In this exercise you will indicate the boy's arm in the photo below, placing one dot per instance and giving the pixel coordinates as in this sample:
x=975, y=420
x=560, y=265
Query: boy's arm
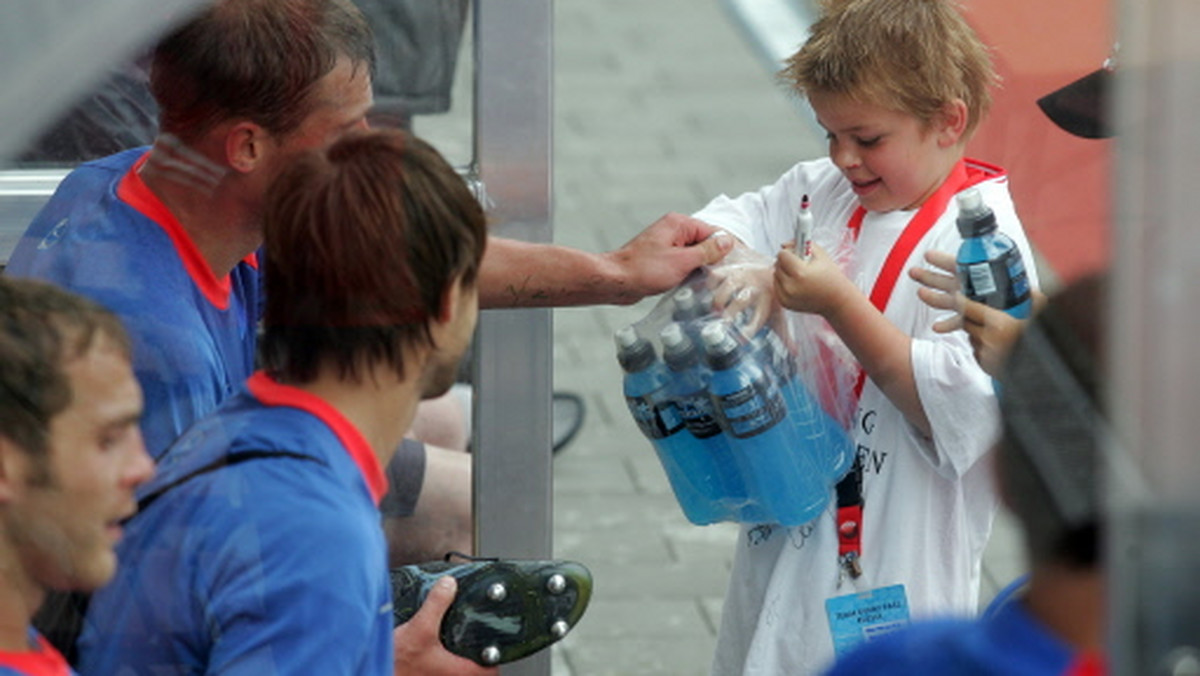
x=525, y=274
x=883, y=350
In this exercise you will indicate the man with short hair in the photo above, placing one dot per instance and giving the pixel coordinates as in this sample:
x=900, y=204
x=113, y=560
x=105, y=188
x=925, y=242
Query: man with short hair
x=71, y=455
x=259, y=549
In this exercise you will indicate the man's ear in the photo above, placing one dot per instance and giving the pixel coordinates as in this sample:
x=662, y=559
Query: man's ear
x=951, y=123
x=245, y=146
x=451, y=303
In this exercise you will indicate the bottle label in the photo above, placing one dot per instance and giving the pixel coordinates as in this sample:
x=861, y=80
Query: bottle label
x=699, y=416
x=752, y=410
x=1001, y=282
x=656, y=419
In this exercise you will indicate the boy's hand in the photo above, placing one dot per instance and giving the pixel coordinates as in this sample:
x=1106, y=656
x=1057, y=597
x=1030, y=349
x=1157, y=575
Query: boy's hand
x=815, y=285
x=419, y=650
x=739, y=289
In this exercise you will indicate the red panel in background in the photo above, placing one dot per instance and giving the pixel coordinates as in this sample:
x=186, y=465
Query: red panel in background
x=1060, y=182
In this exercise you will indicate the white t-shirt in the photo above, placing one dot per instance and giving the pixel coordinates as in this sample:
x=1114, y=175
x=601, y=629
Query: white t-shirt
x=928, y=502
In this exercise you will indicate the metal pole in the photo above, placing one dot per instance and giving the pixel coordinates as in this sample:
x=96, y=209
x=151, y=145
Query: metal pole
x=1154, y=548
x=513, y=350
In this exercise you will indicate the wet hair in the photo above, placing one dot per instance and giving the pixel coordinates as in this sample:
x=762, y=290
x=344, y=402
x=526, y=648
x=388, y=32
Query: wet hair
x=254, y=59
x=363, y=241
x=911, y=56
x=1051, y=401
x=43, y=328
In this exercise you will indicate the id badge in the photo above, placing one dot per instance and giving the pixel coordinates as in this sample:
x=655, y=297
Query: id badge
x=860, y=617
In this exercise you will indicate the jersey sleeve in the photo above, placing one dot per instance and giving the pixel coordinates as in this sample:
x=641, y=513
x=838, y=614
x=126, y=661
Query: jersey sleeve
x=289, y=589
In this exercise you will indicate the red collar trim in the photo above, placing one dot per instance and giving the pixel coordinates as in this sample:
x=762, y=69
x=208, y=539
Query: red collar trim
x=133, y=191
x=1088, y=664
x=271, y=393
x=43, y=660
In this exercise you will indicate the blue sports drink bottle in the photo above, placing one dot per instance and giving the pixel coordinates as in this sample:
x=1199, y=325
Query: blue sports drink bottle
x=689, y=388
x=990, y=267
x=816, y=432
x=685, y=459
x=790, y=484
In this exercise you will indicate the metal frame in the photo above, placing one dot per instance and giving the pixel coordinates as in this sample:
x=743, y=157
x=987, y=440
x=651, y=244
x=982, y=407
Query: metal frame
x=513, y=348
x=1154, y=548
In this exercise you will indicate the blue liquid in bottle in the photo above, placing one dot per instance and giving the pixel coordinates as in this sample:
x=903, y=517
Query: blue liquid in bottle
x=990, y=267
x=816, y=432
x=687, y=463
x=689, y=389
x=790, y=485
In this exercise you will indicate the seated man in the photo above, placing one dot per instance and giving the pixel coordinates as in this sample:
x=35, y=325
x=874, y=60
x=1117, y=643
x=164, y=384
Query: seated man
x=258, y=549
x=1048, y=467
x=71, y=455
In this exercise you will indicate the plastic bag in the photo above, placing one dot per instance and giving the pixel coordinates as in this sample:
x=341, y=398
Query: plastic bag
x=747, y=405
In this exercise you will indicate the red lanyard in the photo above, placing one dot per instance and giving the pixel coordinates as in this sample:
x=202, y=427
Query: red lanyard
x=849, y=489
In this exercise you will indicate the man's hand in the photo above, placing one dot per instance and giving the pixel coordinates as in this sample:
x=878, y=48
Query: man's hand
x=992, y=332
x=660, y=256
x=419, y=651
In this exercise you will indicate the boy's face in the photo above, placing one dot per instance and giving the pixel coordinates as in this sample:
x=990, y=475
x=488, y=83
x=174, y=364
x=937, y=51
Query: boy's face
x=893, y=160
x=63, y=508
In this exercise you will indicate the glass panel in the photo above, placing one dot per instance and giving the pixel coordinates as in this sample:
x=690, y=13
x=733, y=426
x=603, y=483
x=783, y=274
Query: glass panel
x=424, y=71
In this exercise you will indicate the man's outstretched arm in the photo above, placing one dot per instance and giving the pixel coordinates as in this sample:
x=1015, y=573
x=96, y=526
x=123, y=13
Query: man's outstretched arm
x=524, y=274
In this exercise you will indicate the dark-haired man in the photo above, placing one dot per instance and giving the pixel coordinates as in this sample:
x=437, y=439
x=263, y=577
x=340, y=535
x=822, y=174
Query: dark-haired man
x=71, y=455
x=258, y=548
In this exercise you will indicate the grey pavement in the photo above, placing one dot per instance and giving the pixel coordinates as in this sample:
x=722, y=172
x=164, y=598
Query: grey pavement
x=659, y=105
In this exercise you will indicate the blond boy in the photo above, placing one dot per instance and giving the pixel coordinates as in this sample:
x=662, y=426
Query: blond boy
x=899, y=86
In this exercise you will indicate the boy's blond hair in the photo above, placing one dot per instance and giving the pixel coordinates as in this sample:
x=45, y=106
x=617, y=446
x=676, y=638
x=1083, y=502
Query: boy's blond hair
x=912, y=56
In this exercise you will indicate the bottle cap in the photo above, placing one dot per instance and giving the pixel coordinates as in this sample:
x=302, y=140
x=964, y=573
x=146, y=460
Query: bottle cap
x=687, y=305
x=672, y=336
x=717, y=339
x=626, y=337
x=974, y=217
x=678, y=350
x=634, y=352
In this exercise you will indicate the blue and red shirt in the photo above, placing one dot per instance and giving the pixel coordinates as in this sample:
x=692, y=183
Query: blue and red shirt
x=40, y=660
x=1008, y=643
x=106, y=236
x=259, y=551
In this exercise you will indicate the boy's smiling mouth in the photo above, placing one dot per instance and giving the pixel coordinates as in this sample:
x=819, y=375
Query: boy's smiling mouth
x=861, y=187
